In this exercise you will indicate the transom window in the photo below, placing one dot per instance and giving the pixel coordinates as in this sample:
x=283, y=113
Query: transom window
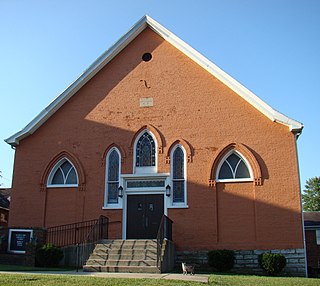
x=145, y=184
x=234, y=167
x=63, y=174
x=178, y=176
x=113, y=175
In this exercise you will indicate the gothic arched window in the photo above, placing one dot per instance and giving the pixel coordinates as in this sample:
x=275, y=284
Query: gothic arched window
x=233, y=167
x=178, y=175
x=63, y=174
x=113, y=176
x=145, y=151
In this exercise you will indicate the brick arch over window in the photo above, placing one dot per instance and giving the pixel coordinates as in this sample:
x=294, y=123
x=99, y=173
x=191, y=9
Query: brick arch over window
x=242, y=149
x=186, y=145
x=155, y=132
x=76, y=163
x=113, y=145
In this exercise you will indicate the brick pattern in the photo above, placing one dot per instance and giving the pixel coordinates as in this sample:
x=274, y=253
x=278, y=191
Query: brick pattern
x=313, y=250
x=246, y=261
x=189, y=104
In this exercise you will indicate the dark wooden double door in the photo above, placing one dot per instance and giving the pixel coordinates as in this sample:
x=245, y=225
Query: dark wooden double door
x=144, y=214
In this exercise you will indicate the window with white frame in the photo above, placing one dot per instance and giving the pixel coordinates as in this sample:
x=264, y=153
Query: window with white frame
x=145, y=153
x=318, y=236
x=113, y=177
x=63, y=174
x=178, y=174
x=234, y=167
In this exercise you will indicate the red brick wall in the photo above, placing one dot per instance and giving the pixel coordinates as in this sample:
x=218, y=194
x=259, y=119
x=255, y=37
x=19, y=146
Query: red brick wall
x=313, y=250
x=189, y=103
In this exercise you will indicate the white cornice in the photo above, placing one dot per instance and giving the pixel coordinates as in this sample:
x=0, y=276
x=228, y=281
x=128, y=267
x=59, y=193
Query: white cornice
x=107, y=56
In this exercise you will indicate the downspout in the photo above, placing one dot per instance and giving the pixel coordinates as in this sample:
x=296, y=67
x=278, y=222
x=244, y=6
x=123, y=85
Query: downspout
x=296, y=135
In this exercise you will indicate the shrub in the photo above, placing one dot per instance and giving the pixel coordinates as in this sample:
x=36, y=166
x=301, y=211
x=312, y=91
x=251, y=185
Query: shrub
x=222, y=260
x=272, y=263
x=48, y=255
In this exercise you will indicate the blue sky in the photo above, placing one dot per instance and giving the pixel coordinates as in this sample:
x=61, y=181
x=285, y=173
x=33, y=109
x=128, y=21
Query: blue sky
x=271, y=47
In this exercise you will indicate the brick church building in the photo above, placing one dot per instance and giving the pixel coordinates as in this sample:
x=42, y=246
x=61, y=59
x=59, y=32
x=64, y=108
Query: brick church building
x=154, y=128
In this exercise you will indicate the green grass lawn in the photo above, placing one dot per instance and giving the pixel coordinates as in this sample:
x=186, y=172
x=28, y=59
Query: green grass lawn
x=4, y=267
x=220, y=280
x=248, y=280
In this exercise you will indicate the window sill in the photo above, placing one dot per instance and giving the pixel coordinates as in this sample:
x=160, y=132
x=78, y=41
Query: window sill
x=235, y=180
x=116, y=207
x=62, y=186
x=178, y=207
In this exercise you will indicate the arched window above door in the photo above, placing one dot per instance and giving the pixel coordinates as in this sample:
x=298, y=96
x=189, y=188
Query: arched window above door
x=145, y=153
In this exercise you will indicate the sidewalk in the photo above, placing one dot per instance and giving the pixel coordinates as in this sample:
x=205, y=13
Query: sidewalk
x=167, y=276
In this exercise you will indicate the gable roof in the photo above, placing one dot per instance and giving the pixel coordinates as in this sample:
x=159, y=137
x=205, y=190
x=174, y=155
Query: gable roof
x=107, y=56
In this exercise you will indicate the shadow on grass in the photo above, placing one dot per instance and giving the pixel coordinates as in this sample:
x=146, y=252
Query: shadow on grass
x=4, y=267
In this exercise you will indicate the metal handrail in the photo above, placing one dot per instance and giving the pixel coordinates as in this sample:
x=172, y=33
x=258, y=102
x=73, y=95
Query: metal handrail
x=98, y=232
x=70, y=234
x=164, y=232
x=84, y=235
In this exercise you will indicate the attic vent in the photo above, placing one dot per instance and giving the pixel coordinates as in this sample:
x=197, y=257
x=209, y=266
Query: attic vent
x=146, y=57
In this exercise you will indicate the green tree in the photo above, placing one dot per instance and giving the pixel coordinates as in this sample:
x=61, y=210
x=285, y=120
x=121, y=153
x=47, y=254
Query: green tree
x=311, y=195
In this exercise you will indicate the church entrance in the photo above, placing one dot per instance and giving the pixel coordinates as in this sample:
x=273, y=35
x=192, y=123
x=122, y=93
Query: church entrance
x=144, y=213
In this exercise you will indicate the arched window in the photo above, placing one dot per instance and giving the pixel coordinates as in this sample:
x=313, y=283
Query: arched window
x=234, y=167
x=145, y=153
x=113, y=176
x=63, y=174
x=178, y=175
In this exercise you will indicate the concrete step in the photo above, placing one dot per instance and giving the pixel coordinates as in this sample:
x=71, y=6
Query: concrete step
x=105, y=247
x=124, y=256
x=123, y=269
x=102, y=262
x=100, y=251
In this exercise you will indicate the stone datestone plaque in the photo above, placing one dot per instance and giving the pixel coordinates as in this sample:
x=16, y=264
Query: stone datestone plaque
x=146, y=102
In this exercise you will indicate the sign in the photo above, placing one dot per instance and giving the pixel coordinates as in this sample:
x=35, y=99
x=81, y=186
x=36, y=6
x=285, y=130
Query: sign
x=18, y=239
x=146, y=102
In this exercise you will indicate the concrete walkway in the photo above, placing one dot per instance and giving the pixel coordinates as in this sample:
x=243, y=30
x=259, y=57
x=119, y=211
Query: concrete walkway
x=166, y=276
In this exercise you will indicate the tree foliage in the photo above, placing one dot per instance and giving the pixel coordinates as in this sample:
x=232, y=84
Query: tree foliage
x=311, y=195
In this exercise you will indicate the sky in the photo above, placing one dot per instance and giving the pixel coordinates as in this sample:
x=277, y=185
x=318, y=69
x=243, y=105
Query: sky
x=272, y=47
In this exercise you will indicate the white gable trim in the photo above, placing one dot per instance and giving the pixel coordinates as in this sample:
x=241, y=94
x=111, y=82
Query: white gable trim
x=107, y=56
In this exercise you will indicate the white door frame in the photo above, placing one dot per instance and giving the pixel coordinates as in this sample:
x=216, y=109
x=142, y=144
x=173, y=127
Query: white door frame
x=143, y=191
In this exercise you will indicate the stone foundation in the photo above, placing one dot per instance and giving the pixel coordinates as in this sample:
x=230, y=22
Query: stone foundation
x=246, y=261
